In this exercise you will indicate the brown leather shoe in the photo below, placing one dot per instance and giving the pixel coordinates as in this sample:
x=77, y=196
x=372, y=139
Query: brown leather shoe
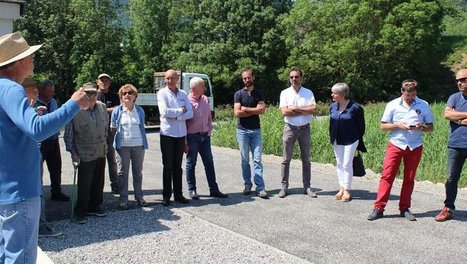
x=444, y=215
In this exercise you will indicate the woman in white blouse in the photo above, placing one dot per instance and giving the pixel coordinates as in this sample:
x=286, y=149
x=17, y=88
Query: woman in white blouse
x=130, y=142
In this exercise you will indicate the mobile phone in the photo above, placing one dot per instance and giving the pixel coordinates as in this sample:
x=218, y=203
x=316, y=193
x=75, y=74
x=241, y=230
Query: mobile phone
x=412, y=126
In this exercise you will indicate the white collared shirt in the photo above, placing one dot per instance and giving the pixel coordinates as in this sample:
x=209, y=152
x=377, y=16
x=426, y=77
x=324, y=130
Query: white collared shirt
x=131, y=133
x=304, y=97
x=171, y=114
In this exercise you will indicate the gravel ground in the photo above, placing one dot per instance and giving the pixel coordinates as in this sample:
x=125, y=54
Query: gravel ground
x=155, y=235
x=247, y=229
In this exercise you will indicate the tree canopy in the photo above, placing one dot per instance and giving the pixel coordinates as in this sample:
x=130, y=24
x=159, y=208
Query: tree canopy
x=370, y=44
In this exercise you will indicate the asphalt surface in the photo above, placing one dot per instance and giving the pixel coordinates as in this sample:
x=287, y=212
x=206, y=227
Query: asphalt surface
x=248, y=229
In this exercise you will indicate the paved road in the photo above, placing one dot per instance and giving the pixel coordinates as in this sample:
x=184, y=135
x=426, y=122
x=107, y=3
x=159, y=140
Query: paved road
x=247, y=229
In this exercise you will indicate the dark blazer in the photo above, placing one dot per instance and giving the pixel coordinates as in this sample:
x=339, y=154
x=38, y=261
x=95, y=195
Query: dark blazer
x=347, y=127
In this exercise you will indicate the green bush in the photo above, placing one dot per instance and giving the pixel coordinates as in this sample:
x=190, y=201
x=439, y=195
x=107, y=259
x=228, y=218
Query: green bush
x=433, y=166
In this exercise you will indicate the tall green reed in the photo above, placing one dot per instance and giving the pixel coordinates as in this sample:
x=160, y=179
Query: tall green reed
x=433, y=166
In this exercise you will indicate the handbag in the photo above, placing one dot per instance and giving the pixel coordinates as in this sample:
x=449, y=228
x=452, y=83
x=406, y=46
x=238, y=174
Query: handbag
x=358, y=167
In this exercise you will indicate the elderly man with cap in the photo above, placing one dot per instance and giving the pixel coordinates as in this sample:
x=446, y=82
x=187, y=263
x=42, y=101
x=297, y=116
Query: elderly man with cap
x=86, y=139
x=406, y=118
x=111, y=100
x=20, y=130
x=456, y=113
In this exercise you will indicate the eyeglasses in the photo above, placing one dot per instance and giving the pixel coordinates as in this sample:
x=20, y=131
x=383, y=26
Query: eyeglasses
x=294, y=77
x=462, y=80
x=91, y=94
x=127, y=93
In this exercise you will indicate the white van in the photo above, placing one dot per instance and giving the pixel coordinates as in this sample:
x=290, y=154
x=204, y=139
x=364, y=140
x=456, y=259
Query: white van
x=148, y=101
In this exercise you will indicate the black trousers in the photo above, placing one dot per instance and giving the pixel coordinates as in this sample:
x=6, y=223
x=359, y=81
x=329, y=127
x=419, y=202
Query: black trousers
x=50, y=150
x=90, y=186
x=172, y=155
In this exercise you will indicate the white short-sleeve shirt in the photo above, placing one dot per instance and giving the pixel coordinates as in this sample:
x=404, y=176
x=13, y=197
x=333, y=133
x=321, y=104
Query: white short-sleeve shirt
x=304, y=97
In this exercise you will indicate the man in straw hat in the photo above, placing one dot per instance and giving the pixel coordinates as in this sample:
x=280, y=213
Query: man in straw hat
x=20, y=130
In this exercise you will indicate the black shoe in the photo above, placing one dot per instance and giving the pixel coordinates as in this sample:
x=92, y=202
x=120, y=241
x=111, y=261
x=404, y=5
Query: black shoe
x=141, y=203
x=80, y=219
x=59, y=197
x=97, y=212
x=408, y=215
x=182, y=199
x=122, y=206
x=165, y=202
x=218, y=194
x=375, y=214
x=193, y=194
x=47, y=231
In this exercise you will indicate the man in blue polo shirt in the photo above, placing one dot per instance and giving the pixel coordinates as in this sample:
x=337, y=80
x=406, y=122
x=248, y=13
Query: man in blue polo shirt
x=406, y=118
x=248, y=105
x=456, y=113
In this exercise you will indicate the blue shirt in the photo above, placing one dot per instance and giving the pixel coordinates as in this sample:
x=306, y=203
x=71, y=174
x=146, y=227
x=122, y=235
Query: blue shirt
x=20, y=130
x=115, y=123
x=418, y=112
x=347, y=127
x=171, y=113
x=458, y=136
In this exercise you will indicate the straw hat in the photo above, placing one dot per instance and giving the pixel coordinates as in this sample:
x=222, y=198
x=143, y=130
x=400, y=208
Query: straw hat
x=13, y=47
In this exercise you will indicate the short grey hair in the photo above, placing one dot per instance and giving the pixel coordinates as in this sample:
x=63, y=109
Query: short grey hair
x=195, y=81
x=341, y=88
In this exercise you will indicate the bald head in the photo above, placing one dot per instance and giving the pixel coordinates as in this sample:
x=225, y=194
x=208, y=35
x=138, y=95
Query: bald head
x=171, y=79
x=461, y=74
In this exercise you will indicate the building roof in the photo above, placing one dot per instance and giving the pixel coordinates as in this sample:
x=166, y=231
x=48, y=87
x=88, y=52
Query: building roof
x=13, y=1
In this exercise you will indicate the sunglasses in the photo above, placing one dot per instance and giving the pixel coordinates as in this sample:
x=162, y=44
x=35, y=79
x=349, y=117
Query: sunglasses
x=462, y=80
x=410, y=89
x=127, y=93
x=409, y=84
x=294, y=77
x=91, y=94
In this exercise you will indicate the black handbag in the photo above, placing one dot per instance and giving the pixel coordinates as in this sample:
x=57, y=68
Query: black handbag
x=358, y=167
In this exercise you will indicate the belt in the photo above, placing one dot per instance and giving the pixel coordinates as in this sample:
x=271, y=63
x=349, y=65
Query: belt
x=199, y=133
x=298, y=127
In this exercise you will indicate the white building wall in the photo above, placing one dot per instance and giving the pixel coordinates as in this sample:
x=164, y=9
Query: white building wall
x=8, y=12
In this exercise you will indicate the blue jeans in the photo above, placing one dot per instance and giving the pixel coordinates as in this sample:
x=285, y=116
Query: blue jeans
x=456, y=160
x=19, y=223
x=201, y=144
x=251, y=140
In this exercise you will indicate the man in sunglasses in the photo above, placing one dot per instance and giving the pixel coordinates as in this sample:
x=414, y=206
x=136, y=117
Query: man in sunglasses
x=456, y=113
x=297, y=104
x=86, y=139
x=406, y=118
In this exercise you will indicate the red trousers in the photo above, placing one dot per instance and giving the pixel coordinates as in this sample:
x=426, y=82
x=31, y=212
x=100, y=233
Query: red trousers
x=392, y=161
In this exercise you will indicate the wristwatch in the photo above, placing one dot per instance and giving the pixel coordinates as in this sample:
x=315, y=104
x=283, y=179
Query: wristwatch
x=459, y=122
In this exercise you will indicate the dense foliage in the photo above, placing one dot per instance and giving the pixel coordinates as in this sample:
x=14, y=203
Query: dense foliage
x=371, y=44
x=433, y=166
